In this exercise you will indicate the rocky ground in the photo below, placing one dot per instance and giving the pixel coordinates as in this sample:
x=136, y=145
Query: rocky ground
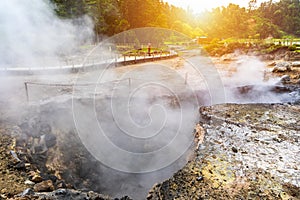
x=25, y=169
x=246, y=151
x=243, y=151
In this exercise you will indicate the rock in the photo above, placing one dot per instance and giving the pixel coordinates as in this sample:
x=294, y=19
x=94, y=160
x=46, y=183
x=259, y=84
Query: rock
x=3, y=190
x=49, y=139
x=282, y=67
x=270, y=64
x=45, y=186
x=295, y=64
x=20, y=166
x=45, y=142
x=26, y=192
x=27, y=165
x=61, y=184
x=60, y=192
x=15, y=156
x=39, y=148
x=29, y=182
x=285, y=79
x=96, y=196
x=234, y=149
x=37, y=178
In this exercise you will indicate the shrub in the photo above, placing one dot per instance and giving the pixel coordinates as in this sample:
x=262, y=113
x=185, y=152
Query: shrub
x=292, y=48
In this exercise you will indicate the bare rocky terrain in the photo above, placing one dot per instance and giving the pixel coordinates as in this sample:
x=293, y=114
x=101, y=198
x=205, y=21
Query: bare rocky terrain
x=249, y=151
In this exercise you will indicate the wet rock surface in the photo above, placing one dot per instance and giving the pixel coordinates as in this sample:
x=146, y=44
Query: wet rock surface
x=249, y=151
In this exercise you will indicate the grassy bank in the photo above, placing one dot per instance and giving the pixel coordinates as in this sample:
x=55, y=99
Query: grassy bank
x=219, y=48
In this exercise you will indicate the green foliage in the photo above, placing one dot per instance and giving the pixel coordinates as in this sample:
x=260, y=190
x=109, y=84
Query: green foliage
x=292, y=48
x=213, y=48
x=284, y=14
x=269, y=19
x=270, y=48
x=69, y=9
x=219, y=48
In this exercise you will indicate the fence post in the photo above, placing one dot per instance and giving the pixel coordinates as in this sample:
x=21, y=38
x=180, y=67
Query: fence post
x=186, y=77
x=26, y=90
x=129, y=83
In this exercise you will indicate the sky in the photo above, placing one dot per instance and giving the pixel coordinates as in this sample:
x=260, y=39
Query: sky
x=201, y=5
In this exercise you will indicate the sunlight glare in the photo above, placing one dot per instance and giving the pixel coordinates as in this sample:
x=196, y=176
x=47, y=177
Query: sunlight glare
x=198, y=6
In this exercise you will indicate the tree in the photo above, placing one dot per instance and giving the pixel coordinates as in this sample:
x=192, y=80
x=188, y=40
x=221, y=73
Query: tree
x=69, y=9
x=114, y=16
x=285, y=14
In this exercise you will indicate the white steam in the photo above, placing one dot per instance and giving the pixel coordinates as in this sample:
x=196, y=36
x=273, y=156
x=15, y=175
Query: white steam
x=249, y=83
x=32, y=35
x=249, y=70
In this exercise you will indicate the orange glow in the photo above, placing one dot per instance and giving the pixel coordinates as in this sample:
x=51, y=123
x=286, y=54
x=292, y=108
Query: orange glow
x=198, y=6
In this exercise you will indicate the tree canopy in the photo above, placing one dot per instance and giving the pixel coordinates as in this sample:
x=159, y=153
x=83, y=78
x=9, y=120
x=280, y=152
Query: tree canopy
x=269, y=19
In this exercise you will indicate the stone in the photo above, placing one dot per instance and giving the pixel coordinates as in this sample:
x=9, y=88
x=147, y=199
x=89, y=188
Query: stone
x=50, y=139
x=282, y=67
x=27, y=165
x=20, y=166
x=27, y=191
x=271, y=64
x=60, y=192
x=295, y=64
x=37, y=178
x=61, y=184
x=29, y=182
x=45, y=186
x=3, y=190
x=285, y=78
x=15, y=156
x=234, y=149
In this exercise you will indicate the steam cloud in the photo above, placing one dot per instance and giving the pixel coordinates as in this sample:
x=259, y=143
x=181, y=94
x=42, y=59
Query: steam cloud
x=32, y=35
x=248, y=83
